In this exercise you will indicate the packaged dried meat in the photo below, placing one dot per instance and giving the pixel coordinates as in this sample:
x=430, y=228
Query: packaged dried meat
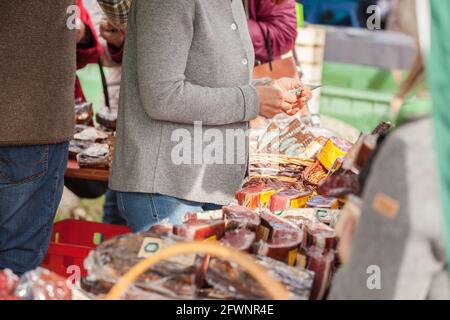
x=8, y=283
x=254, y=197
x=77, y=146
x=339, y=185
x=114, y=257
x=277, y=238
x=288, y=199
x=95, y=156
x=42, y=284
x=323, y=202
x=233, y=283
x=91, y=134
x=240, y=239
x=299, y=217
x=201, y=230
x=334, y=149
x=323, y=267
x=237, y=217
x=107, y=118
x=321, y=237
x=84, y=113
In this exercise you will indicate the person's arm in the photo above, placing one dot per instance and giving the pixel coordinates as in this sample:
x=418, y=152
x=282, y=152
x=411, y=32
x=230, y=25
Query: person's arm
x=164, y=43
x=89, y=48
x=279, y=22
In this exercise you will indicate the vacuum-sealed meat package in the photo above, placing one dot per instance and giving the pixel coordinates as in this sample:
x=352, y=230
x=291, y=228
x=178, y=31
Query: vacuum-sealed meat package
x=234, y=283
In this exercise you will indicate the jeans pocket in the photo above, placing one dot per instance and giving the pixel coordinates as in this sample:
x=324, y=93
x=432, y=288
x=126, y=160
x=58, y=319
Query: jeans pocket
x=23, y=164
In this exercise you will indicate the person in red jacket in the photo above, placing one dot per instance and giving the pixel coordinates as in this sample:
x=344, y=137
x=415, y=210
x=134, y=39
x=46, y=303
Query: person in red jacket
x=276, y=20
x=89, y=48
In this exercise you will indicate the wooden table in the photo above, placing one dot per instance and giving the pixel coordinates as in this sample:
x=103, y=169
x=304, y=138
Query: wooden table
x=74, y=171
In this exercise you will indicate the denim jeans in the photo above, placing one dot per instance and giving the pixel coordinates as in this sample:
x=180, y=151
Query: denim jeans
x=111, y=212
x=143, y=210
x=31, y=186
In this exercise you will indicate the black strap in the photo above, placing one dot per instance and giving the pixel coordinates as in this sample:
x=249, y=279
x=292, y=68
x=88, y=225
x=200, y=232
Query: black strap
x=104, y=84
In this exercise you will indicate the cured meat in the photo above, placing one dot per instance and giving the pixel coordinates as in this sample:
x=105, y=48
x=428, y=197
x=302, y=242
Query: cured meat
x=8, y=283
x=288, y=199
x=321, y=237
x=96, y=156
x=323, y=202
x=339, y=185
x=42, y=284
x=173, y=277
x=254, y=197
x=201, y=229
x=84, y=113
x=107, y=118
x=77, y=146
x=240, y=217
x=241, y=239
x=323, y=267
x=278, y=238
x=91, y=134
x=230, y=280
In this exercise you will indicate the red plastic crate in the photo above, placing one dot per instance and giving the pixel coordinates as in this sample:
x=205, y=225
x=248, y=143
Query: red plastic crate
x=72, y=240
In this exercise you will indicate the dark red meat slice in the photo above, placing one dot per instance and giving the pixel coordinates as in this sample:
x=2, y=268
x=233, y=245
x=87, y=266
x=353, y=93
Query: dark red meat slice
x=201, y=229
x=240, y=217
x=240, y=239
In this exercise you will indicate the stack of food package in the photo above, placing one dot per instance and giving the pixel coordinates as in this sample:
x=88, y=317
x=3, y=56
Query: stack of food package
x=89, y=145
x=285, y=218
x=39, y=284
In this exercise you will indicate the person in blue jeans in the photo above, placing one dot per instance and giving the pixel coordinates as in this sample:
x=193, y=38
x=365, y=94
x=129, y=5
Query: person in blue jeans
x=31, y=187
x=36, y=123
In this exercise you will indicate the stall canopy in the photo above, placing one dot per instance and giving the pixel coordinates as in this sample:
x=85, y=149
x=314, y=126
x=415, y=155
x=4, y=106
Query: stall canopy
x=438, y=72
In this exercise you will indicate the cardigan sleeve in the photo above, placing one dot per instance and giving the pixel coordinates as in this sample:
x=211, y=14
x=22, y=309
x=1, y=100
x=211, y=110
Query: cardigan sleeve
x=165, y=92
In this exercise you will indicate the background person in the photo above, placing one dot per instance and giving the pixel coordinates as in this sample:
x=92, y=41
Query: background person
x=193, y=74
x=36, y=123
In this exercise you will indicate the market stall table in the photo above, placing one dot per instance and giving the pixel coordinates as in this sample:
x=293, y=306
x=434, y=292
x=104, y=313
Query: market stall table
x=74, y=171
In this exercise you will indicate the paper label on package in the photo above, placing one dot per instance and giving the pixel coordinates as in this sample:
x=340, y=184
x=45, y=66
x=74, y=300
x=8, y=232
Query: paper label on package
x=150, y=246
x=265, y=196
x=210, y=215
x=292, y=257
x=386, y=206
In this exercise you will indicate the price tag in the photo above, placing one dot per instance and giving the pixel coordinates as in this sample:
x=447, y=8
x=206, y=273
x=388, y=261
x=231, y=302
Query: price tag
x=150, y=246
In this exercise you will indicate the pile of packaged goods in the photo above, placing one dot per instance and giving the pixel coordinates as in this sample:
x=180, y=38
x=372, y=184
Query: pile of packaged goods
x=285, y=217
x=39, y=284
x=272, y=240
x=90, y=144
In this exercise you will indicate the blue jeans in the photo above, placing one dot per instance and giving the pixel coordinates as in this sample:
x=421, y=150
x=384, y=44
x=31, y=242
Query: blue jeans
x=111, y=212
x=143, y=210
x=31, y=186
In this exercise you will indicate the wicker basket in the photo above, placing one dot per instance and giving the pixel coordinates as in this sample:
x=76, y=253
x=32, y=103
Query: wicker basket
x=274, y=288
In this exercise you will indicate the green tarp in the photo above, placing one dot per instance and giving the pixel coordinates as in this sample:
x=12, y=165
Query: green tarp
x=439, y=82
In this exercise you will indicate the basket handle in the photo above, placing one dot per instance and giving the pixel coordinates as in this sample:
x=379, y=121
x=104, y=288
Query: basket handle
x=273, y=287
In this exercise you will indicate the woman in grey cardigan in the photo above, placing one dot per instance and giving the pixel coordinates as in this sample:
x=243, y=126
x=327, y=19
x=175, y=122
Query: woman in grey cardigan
x=186, y=99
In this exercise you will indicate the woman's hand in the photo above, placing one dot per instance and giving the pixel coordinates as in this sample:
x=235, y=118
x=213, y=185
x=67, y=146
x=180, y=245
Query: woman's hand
x=292, y=85
x=273, y=100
